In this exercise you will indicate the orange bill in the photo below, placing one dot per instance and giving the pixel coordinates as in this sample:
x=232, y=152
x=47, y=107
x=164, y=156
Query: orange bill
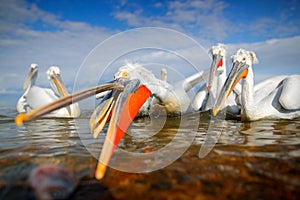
x=216, y=63
x=126, y=108
x=239, y=70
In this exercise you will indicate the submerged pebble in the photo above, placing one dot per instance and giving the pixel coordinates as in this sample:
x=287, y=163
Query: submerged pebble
x=52, y=182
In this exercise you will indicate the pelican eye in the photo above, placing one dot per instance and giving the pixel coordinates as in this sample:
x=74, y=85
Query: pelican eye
x=125, y=75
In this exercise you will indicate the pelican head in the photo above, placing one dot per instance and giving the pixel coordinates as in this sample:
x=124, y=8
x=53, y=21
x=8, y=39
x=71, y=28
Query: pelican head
x=218, y=65
x=31, y=77
x=52, y=71
x=131, y=71
x=53, y=75
x=135, y=71
x=241, y=60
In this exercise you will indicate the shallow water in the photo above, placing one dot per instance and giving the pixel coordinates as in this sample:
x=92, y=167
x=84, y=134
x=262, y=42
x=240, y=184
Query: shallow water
x=256, y=160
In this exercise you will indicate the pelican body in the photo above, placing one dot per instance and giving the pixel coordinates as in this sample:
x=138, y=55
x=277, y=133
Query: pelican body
x=35, y=96
x=275, y=98
x=173, y=98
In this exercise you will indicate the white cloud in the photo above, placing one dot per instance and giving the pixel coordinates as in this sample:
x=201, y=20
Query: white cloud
x=150, y=46
x=203, y=18
x=214, y=20
x=67, y=43
x=21, y=44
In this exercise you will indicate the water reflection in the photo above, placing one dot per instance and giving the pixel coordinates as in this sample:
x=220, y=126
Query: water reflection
x=262, y=133
x=247, y=158
x=45, y=141
x=46, y=137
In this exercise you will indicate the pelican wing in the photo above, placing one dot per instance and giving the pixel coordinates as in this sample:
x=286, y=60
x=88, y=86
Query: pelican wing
x=290, y=94
x=269, y=84
x=264, y=89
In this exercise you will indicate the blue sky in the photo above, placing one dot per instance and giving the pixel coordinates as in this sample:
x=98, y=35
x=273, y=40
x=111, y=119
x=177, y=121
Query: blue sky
x=252, y=21
x=62, y=32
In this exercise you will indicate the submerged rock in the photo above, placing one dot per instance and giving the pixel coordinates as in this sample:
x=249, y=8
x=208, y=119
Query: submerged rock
x=52, y=182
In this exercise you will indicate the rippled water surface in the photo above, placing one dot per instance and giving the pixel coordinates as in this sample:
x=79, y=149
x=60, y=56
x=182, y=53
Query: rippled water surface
x=256, y=160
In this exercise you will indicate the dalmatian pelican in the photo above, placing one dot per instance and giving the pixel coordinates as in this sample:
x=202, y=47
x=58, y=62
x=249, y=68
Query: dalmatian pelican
x=172, y=98
x=205, y=97
x=275, y=98
x=35, y=96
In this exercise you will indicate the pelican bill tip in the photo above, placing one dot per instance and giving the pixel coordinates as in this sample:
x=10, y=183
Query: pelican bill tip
x=100, y=171
x=215, y=111
x=20, y=119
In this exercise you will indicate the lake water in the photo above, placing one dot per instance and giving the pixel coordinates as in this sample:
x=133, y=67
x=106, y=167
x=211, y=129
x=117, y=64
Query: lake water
x=253, y=160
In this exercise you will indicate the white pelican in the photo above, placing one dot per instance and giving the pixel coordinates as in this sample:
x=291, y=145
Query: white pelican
x=173, y=98
x=275, y=98
x=35, y=96
x=132, y=87
x=161, y=90
x=205, y=97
